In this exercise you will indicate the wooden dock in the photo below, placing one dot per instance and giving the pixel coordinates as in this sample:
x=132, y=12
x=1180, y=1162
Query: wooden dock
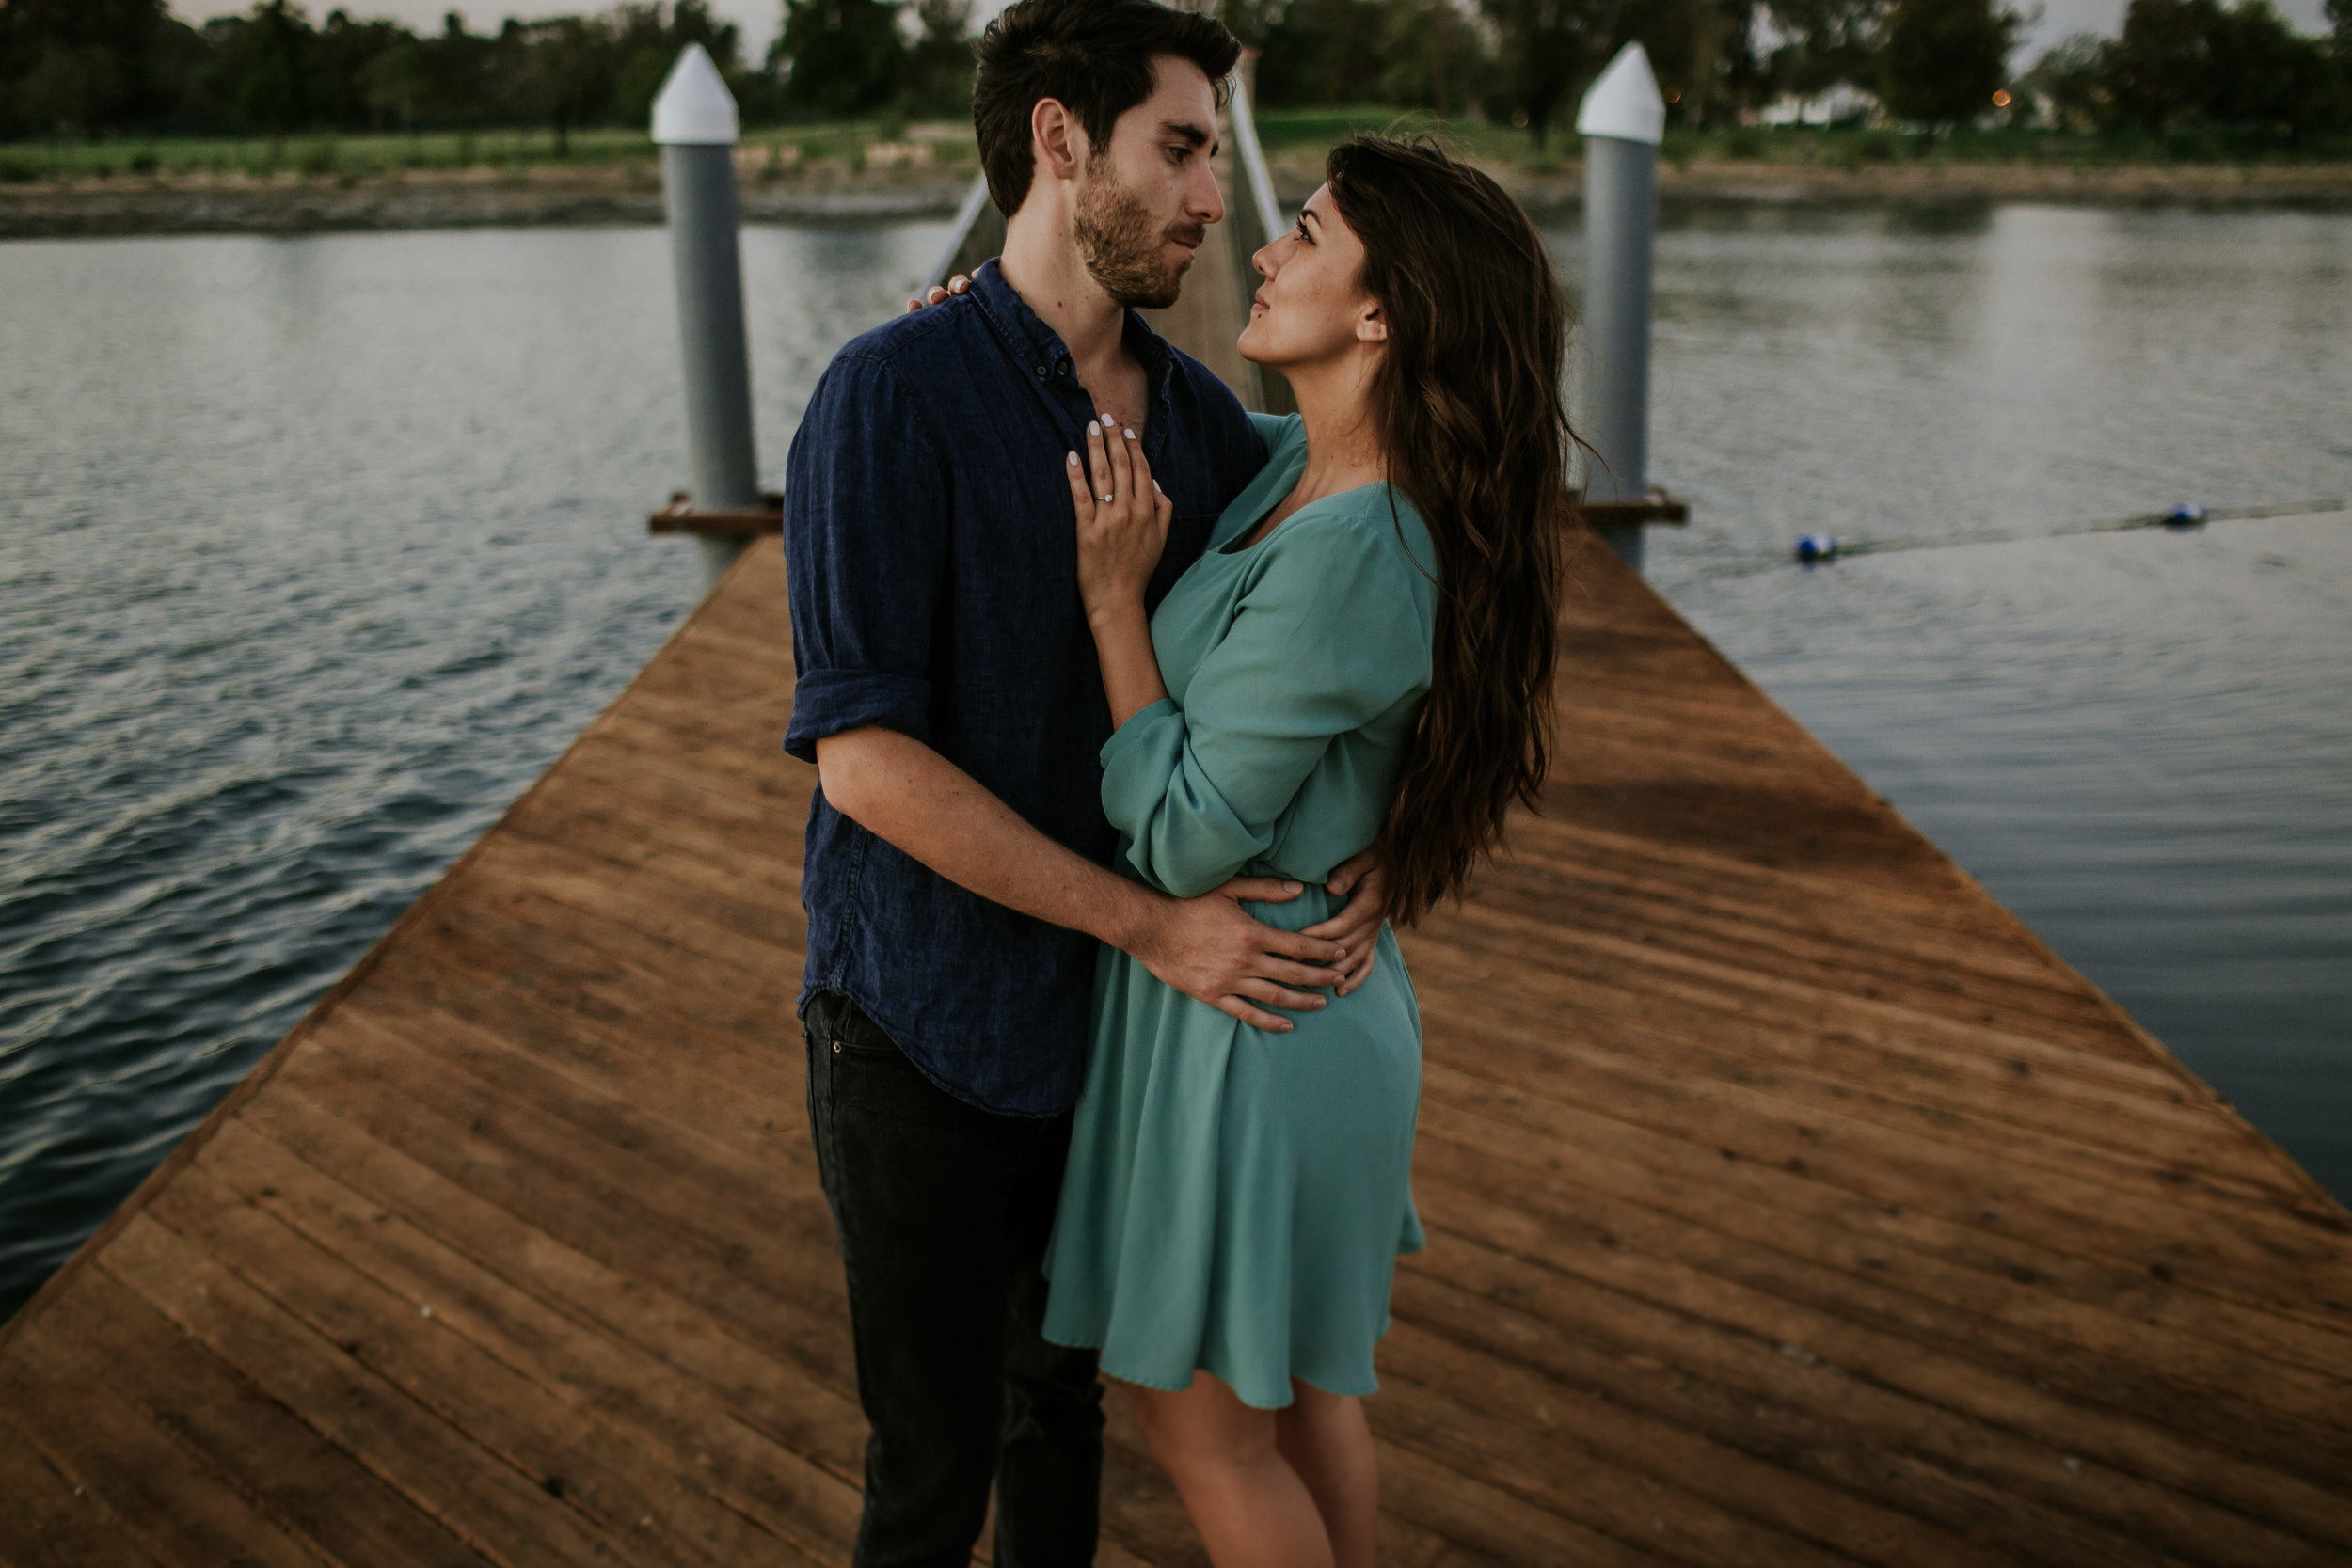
x=1790, y=1204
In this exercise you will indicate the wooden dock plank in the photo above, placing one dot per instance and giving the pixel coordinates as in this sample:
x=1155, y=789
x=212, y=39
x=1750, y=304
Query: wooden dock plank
x=1924, y=1277
x=58, y=1523
x=638, y=1411
x=1789, y=1203
x=184, y=1510
x=338, y=1507
x=1884, y=1389
x=509, y=1518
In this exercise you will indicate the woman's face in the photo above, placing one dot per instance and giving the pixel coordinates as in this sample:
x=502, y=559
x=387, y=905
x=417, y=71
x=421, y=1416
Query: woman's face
x=1311, y=309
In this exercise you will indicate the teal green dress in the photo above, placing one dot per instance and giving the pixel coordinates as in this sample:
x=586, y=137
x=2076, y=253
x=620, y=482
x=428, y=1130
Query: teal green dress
x=1236, y=1199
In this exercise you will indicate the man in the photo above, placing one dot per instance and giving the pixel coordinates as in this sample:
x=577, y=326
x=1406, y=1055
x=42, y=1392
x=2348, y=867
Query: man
x=956, y=882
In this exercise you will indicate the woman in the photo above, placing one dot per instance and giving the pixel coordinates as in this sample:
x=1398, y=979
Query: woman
x=1363, y=655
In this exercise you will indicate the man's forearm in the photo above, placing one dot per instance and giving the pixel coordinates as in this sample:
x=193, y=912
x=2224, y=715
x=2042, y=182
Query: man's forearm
x=901, y=790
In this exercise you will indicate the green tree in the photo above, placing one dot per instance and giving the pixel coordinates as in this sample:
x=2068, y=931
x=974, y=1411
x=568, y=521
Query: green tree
x=567, y=72
x=1941, y=61
x=463, y=67
x=1321, y=52
x=2184, y=61
x=66, y=88
x=394, y=84
x=1702, y=52
x=1823, y=42
x=2266, y=73
x=692, y=22
x=1547, y=49
x=2067, y=79
x=2156, y=71
x=939, y=64
x=839, y=57
x=1435, y=57
x=645, y=40
x=271, y=90
x=637, y=81
x=337, y=64
x=94, y=64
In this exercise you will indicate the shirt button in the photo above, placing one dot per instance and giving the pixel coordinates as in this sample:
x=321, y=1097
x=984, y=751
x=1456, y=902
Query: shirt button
x=1040, y=372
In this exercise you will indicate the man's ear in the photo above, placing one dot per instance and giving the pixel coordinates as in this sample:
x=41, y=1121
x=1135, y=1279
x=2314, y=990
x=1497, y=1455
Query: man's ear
x=1372, y=326
x=1057, y=140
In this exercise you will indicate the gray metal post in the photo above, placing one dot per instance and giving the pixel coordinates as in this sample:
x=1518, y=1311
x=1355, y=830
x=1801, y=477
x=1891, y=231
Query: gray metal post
x=1622, y=119
x=694, y=122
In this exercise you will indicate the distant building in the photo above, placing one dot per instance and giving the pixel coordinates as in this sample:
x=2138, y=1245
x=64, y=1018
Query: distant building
x=1842, y=104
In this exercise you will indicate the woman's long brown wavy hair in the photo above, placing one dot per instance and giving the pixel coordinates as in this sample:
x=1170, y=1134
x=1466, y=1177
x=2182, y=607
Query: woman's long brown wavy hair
x=1469, y=408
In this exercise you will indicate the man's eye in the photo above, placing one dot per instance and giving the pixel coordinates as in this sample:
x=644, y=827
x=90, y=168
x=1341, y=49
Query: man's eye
x=1304, y=238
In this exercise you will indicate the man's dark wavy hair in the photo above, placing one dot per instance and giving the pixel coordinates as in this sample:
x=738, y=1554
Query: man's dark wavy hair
x=1092, y=56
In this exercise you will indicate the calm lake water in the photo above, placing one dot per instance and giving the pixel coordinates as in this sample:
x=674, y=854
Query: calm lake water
x=314, y=552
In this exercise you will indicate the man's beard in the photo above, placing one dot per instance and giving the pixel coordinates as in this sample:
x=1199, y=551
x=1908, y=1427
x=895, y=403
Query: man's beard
x=1118, y=247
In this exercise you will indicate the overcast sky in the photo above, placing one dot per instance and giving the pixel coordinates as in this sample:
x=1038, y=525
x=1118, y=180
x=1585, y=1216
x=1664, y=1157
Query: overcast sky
x=759, y=19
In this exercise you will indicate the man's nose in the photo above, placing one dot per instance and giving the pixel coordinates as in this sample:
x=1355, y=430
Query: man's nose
x=1206, y=201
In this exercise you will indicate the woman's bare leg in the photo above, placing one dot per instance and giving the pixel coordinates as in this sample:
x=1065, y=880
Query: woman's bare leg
x=1328, y=1444
x=1250, y=1506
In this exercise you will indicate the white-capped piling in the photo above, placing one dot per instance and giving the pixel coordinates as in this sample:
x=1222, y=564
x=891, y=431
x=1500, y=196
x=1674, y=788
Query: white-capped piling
x=695, y=126
x=1622, y=120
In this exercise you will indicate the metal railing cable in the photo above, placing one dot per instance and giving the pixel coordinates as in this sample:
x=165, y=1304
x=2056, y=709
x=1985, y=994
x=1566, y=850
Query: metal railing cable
x=968, y=215
x=1254, y=173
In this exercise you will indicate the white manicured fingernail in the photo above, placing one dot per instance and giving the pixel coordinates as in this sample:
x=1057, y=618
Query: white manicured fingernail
x=1130, y=435
x=1155, y=485
x=1074, y=459
x=1093, y=428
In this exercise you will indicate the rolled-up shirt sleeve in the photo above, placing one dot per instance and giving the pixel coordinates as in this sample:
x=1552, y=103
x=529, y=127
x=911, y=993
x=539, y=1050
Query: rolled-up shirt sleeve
x=866, y=543
x=1326, y=638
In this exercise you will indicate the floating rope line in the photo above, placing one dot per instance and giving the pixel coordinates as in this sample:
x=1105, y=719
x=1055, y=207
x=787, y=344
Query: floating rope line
x=1815, y=547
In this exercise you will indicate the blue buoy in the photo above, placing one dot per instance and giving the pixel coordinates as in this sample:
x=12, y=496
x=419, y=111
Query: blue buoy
x=2186, y=515
x=1817, y=546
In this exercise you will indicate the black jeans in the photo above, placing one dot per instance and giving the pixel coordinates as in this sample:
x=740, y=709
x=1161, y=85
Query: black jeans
x=943, y=1210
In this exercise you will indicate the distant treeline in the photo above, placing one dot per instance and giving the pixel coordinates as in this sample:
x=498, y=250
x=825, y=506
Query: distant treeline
x=99, y=67
x=2192, y=62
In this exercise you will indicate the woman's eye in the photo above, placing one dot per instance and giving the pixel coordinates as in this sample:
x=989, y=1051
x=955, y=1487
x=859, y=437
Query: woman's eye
x=1303, y=237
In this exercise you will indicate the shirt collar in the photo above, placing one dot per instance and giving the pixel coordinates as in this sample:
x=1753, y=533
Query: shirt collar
x=1048, y=360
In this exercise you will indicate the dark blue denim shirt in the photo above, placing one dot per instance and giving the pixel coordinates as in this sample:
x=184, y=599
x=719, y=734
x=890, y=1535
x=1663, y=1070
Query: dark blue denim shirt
x=934, y=591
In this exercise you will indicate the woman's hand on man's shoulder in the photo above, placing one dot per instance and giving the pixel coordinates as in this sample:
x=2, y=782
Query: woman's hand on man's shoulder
x=939, y=293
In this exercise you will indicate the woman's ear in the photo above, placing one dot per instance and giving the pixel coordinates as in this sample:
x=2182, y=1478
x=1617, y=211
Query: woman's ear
x=1372, y=326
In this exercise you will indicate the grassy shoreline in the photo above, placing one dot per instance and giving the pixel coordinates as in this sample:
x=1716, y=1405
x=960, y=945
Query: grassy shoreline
x=888, y=169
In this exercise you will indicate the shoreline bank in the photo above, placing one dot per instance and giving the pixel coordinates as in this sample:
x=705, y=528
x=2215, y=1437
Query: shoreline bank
x=631, y=194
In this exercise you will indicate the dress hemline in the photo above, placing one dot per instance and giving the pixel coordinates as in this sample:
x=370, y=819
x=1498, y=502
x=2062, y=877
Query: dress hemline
x=1185, y=1388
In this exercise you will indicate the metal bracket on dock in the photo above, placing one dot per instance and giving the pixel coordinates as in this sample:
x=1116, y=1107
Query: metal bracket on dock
x=1657, y=507
x=719, y=522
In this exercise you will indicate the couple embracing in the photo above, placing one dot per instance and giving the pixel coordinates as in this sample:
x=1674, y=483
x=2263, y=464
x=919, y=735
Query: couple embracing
x=1136, y=717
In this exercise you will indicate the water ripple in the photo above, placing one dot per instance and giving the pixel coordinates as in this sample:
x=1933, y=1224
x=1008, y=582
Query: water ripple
x=314, y=554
